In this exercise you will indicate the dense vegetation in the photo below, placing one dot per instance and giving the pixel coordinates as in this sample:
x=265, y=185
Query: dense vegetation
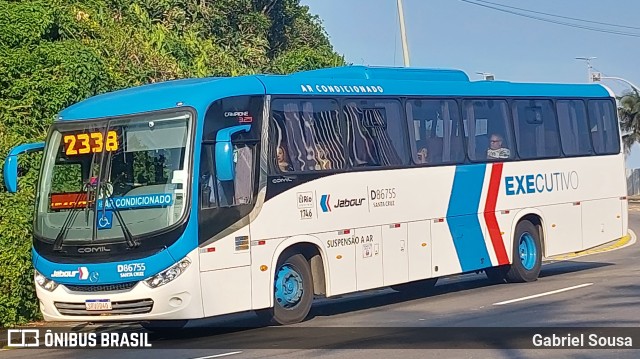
x=629, y=113
x=54, y=53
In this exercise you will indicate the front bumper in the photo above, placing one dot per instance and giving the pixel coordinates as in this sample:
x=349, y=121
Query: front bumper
x=178, y=299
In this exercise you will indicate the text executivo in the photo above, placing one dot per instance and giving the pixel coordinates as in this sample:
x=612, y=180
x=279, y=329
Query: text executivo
x=539, y=183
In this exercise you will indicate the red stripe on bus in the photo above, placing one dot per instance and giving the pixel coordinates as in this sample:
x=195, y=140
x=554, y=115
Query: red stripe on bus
x=490, y=214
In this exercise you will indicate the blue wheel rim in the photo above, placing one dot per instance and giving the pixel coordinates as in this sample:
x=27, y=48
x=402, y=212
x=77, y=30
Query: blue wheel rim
x=527, y=250
x=289, y=287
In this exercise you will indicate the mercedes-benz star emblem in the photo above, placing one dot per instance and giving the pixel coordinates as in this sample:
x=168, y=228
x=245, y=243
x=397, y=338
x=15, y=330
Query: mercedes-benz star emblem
x=93, y=277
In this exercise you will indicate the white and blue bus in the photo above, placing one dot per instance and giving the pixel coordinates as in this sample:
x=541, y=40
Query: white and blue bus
x=196, y=198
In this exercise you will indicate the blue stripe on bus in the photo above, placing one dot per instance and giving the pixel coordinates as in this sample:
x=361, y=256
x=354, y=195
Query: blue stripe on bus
x=462, y=217
x=110, y=273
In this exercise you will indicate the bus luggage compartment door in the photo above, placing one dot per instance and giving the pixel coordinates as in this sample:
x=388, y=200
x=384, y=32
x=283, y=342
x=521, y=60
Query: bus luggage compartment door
x=420, y=246
x=368, y=258
x=395, y=259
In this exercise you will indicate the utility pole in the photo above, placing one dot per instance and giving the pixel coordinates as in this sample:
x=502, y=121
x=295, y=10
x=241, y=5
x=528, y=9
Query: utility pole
x=403, y=35
x=589, y=67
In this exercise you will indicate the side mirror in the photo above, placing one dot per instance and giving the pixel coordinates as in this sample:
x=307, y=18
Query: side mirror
x=11, y=164
x=225, y=164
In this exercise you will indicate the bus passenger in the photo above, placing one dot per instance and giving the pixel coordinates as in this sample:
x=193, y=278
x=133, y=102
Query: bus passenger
x=422, y=155
x=281, y=157
x=495, y=150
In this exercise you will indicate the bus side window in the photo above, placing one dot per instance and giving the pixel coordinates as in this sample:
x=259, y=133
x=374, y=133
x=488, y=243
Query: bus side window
x=226, y=193
x=244, y=175
x=240, y=190
x=536, y=128
x=604, y=127
x=574, y=128
x=207, y=178
x=305, y=135
x=488, y=130
x=377, y=135
x=435, y=131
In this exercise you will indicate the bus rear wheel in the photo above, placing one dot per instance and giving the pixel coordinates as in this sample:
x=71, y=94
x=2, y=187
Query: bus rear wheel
x=293, y=291
x=527, y=254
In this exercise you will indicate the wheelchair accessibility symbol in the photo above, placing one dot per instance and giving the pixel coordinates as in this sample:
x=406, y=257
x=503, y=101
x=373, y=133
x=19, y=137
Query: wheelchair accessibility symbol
x=105, y=219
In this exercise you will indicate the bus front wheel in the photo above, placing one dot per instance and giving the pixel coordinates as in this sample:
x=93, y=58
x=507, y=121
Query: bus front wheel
x=293, y=291
x=527, y=254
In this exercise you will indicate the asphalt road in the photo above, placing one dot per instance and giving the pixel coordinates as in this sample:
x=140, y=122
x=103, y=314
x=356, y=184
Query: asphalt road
x=597, y=290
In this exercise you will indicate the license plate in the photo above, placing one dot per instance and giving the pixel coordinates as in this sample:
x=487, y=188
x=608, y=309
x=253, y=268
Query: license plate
x=98, y=304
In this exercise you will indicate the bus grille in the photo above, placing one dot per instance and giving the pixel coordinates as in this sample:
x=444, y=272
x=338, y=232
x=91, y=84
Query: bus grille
x=119, y=308
x=101, y=288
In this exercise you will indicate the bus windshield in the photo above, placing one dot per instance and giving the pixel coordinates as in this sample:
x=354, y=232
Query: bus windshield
x=101, y=179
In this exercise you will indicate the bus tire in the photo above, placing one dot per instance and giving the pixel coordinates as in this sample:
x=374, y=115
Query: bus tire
x=293, y=290
x=418, y=287
x=527, y=254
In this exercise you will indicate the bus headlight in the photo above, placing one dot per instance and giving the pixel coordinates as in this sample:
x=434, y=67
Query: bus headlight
x=168, y=274
x=44, y=282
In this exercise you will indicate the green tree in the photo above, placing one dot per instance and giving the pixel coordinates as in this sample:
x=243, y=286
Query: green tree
x=629, y=114
x=54, y=53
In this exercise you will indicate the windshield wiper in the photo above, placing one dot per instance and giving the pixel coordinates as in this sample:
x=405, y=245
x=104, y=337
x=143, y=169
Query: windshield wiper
x=131, y=243
x=71, y=217
x=102, y=188
x=73, y=213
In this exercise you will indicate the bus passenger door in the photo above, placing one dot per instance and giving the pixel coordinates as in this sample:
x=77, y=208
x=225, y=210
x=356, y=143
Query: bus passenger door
x=225, y=206
x=224, y=233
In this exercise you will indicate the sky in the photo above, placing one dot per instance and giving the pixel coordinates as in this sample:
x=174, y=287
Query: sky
x=458, y=34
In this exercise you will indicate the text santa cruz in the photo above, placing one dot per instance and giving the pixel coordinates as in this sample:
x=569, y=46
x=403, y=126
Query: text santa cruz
x=341, y=88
